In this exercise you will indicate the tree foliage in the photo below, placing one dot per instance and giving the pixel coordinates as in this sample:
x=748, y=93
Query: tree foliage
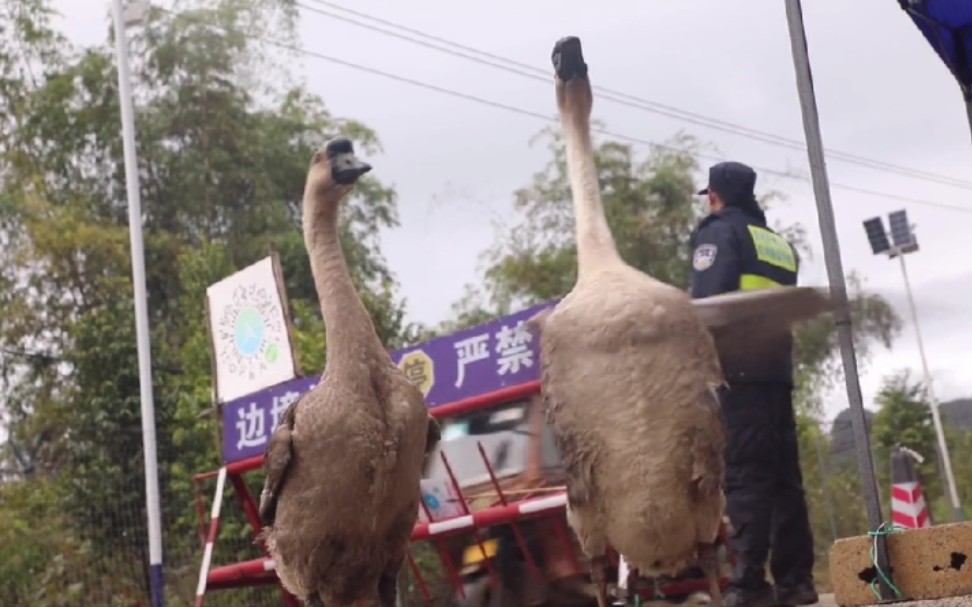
x=224, y=139
x=904, y=419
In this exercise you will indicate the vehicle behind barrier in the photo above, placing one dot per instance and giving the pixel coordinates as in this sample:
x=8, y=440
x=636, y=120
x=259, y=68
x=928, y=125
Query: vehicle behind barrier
x=507, y=454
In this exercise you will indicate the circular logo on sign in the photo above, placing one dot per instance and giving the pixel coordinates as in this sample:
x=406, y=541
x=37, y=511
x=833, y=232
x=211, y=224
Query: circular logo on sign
x=431, y=501
x=272, y=353
x=250, y=331
x=419, y=368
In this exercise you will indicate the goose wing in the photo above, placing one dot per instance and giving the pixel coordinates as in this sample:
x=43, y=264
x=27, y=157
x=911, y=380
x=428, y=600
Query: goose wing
x=578, y=462
x=708, y=444
x=276, y=464
x=779, y=307
x=745, y=324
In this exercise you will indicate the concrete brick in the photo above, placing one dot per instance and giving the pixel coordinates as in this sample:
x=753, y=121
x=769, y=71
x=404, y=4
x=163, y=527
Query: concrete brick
x=827, y=600
x=930, y=563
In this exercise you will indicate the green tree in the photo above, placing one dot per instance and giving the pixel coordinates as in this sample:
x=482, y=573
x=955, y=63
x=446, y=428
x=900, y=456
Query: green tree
x=960, y=450
x=224, y=136
x=904, y=418
x=833, y=501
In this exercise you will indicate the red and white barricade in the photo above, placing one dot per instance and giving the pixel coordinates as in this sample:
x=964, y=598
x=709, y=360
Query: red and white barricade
x=538, y=503
x=461, y=525
x=908, y=506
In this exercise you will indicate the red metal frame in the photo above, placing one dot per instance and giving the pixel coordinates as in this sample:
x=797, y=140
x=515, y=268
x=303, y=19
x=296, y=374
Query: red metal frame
x=260, y=572
x=489, y=399
x=249, y=573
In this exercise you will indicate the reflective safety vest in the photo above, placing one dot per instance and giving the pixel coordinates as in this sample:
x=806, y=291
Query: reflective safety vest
x=769, y=261
x=735, y=251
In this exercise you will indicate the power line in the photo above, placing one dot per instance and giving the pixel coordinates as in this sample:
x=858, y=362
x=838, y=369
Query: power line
x=608, y=133
x=535, y=73
x=549, y=118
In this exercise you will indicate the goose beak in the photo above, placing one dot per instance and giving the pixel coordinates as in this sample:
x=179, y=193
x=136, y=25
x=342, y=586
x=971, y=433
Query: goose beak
x=568, y=59
x=346, y=168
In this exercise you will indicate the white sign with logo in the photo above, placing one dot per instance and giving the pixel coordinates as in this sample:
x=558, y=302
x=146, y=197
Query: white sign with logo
x=250, y=331
x=441, y=500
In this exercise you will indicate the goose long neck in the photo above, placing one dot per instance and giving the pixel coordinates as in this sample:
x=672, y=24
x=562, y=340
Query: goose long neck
x=349, y=330
x=595, y=244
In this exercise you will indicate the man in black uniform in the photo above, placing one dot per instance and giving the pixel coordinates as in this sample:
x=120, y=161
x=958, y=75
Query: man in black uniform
x=733, y=249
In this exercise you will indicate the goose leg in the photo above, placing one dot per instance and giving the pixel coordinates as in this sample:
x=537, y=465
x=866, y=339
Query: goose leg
x=709, y=563
x=634, y=582
x=599, y=577
x=388, y=583
x=387, y=590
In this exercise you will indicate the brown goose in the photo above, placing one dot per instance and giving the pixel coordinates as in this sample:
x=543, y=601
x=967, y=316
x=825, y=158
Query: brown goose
x=629, y=373
x=341, y=493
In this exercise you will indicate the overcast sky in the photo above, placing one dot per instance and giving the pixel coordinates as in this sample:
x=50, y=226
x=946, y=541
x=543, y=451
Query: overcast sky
x=882, y=94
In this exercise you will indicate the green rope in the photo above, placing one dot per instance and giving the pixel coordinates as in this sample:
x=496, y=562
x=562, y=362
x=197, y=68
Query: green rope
x=882, y=532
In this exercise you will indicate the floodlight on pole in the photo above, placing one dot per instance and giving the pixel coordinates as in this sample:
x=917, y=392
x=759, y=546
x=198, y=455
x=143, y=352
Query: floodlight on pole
x=877, y=236
x=123, y=17
x=905, y=241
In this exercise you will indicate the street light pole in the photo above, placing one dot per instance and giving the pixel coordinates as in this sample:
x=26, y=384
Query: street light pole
x=945, y=460
x=141, y=306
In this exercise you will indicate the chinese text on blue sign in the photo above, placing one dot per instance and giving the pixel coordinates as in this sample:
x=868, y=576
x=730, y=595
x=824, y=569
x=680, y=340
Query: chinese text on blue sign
x=479, y=360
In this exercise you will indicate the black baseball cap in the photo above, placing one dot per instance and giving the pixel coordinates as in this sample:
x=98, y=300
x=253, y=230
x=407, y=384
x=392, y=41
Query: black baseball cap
x=731, y=180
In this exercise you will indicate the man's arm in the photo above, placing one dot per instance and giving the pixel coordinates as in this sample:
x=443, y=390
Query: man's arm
x=715, y=260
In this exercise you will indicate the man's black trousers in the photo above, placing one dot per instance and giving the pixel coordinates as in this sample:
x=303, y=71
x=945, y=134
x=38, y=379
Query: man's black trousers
x=764, y=487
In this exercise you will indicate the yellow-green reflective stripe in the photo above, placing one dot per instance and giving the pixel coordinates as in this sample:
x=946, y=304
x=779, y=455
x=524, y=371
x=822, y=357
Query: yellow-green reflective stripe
x=749, y=282
x=773, y=248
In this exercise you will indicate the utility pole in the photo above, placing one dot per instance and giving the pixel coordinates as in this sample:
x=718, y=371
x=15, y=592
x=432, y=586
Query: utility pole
x=838, y=285
x=122, y=18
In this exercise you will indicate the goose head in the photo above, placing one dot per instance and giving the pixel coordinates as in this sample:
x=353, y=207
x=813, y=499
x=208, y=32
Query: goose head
x=334, y=169
x=574, y=97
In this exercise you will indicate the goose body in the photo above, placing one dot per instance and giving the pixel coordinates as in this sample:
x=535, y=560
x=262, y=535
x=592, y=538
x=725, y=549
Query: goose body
x=628, y=382
x=630, y=366
x=628, y=379
x=341, y=494
x=351, y=497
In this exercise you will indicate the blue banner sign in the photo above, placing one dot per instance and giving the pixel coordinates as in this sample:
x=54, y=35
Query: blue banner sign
x=472, y=362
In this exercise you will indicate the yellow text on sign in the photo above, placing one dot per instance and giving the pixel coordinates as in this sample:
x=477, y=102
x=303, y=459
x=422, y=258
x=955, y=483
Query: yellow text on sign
x=419, y=369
